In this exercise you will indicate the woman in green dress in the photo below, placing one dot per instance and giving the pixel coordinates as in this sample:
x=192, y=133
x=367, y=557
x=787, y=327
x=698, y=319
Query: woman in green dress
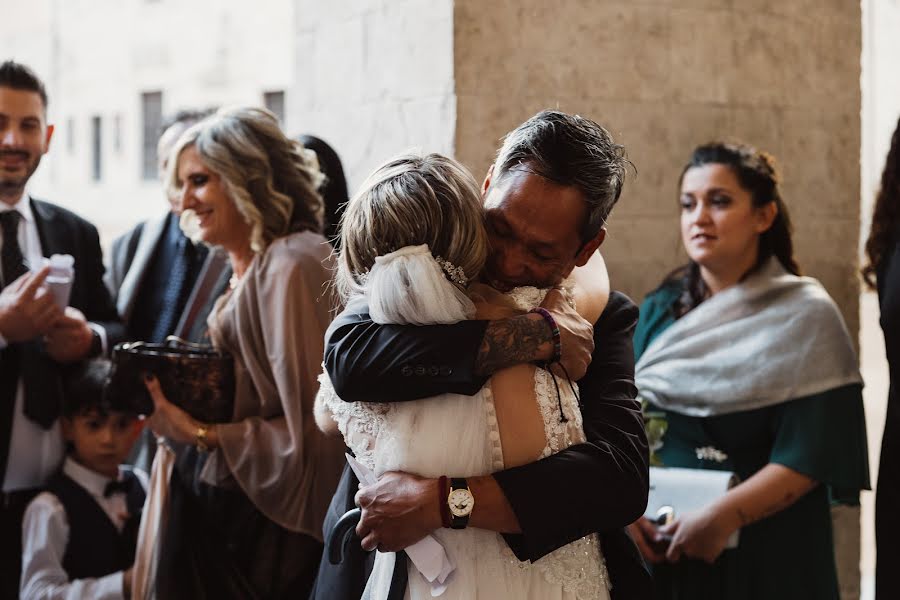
x=753, y=368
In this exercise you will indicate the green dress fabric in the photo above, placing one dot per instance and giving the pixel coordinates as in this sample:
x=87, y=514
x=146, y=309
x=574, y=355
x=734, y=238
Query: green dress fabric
x=789, y=555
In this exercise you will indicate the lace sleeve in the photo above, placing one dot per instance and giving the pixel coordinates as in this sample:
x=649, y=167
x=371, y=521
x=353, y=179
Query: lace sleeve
x=358, y=422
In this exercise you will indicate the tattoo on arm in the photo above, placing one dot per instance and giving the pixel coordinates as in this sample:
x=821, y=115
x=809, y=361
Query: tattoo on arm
x=513, y=341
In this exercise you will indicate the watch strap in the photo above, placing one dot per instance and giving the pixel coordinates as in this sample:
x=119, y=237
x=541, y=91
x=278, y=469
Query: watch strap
x=443, y=497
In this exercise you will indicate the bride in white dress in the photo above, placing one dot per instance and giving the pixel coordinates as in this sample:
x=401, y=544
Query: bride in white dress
x=412, y=240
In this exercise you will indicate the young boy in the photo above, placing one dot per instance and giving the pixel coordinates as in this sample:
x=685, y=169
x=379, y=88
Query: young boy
x=79, y=536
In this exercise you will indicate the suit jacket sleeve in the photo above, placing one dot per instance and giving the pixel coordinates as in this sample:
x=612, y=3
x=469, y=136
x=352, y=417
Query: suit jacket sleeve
x=393, y=363
x=600, y=485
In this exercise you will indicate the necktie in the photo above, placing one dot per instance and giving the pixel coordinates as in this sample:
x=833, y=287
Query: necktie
x=11, y=258
x=116, y=486
x=13, y=265
x=174, y=295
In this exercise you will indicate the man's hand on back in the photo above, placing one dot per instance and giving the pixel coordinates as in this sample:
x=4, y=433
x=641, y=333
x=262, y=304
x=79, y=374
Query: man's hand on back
x=400, y=509
x=397, y=511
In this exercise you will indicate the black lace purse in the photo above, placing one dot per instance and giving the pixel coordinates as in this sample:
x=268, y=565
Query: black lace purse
x=195, y=377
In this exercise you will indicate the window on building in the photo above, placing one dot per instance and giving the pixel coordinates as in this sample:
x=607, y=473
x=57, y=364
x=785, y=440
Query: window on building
x=70, y=135
x=151, y=113
x=96, y=148
x=274, y=101
x=117, y=133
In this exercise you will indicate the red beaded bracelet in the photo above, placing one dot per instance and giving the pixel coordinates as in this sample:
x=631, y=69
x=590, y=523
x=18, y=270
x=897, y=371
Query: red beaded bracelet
x=557, y=344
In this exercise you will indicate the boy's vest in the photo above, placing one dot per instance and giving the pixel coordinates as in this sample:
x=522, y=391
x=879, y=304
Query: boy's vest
x=95, y=547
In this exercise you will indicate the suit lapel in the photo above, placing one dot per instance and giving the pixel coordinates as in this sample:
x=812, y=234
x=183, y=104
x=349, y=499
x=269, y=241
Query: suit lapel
x=150, y=237
x=55, y=239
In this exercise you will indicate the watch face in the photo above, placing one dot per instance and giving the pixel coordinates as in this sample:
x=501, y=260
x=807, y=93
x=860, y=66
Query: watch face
x=461, y=502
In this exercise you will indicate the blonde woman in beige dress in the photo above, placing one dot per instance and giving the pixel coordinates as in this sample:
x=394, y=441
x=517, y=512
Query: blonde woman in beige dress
x=248, y=497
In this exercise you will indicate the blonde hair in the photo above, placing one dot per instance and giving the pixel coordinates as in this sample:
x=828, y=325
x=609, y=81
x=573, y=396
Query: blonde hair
x=408, y=201
x=272, y=180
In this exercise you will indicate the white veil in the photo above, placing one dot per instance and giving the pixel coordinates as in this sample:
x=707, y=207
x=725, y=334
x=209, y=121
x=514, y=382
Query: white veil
x=408, y=287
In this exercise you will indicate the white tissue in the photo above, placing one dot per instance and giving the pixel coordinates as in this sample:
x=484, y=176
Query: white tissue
x=59, y=279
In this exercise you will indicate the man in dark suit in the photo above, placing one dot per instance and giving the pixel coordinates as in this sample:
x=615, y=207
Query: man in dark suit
x=37, y=337
x=153, y=268
x=547, y=198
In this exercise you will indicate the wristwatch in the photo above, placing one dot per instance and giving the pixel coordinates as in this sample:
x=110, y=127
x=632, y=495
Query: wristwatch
x=460, y=501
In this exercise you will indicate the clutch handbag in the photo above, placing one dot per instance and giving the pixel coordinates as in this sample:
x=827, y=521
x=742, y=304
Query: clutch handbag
x=675, y=491
x=195, y=377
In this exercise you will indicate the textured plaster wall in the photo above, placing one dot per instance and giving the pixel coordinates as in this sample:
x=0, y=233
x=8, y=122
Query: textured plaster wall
x=664, y=76
x=374, y=78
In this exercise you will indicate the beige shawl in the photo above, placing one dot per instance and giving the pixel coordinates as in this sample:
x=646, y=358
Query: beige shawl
x=273, y=324
x=771, y=338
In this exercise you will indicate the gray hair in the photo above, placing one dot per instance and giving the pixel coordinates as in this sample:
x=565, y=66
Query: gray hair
x=572, y=151
x=272, y=180
x=408, y=201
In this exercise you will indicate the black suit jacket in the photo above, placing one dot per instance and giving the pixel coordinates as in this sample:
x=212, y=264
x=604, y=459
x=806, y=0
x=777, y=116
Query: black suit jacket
x=63, y=232
x=599, y=486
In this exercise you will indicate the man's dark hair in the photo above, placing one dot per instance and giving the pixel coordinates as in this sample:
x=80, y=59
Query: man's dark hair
x=188, y=116
x=569, y=150
x=19, y=77
x=87, y=387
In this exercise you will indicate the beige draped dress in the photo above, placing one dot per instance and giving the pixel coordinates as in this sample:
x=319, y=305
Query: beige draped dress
x=273, y=324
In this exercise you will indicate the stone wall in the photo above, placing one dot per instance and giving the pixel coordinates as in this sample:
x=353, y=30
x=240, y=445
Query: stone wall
x=664, y=76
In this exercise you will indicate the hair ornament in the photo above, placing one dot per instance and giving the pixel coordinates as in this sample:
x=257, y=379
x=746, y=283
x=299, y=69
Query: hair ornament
x=454, y=273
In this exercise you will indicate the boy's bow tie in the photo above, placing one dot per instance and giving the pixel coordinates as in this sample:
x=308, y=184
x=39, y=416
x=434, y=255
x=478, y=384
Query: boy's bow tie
x=112, y=487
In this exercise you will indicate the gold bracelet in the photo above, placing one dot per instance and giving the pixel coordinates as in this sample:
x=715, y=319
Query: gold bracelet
x=200, y=441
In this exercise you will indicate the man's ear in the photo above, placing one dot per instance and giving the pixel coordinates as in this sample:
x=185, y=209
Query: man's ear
x=50, y=130
x=487, y=181
x=588, y=249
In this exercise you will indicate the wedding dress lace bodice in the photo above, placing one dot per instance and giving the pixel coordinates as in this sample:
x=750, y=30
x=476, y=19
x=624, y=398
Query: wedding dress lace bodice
x=459, y=435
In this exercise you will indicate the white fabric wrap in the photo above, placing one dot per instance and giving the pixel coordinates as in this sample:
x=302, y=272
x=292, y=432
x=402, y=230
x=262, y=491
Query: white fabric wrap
x=769, y=339
x=408, y=287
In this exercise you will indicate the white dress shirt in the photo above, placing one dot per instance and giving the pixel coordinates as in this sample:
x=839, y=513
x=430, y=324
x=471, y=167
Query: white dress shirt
x=45, y=534
x=34, y=452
